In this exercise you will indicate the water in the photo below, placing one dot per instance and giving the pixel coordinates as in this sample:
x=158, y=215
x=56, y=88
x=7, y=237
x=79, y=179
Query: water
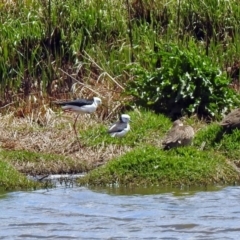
x=82, y=213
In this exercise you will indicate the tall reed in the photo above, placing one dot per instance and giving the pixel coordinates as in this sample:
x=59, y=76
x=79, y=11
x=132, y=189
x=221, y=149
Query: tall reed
x=39, y=37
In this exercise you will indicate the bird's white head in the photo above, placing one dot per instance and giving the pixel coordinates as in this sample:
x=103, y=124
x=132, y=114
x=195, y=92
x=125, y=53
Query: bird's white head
x=97, y=101
x=125, y=118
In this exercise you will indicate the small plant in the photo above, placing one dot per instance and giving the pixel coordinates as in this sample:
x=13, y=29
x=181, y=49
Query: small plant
x=186, y=82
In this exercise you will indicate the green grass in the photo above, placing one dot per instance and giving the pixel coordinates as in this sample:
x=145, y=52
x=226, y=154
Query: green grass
x=28, y=156
x=101, y=28
x=11, y=179
x=145, y=163
x=149, y=165
x=145, y=127
x=42, y=163
x=210, y=135
x=217, y=139
x=229, y=145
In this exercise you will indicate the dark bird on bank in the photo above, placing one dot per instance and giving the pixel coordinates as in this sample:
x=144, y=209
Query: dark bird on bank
x=231, y=120
x=178, y=135
x=80, y=106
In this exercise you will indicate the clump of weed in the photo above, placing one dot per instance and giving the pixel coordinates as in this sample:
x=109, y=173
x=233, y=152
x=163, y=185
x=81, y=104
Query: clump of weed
x=209, y=136
x=186, y=82
x=214, y=137
x=151, y=166
x=229, y=145
x=11, y=179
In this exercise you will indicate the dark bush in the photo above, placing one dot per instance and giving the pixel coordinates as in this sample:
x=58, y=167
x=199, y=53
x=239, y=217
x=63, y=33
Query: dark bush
x=186, y=82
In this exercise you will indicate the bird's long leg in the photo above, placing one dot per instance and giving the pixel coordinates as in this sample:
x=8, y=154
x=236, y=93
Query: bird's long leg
x=74, y=127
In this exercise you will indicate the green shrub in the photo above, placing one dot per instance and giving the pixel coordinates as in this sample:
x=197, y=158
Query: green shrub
x=186, y=82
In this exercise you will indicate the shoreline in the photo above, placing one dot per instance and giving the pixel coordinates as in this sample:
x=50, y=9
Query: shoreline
x=53, y=149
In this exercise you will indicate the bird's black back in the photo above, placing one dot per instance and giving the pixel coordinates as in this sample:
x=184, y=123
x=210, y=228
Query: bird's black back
x=77, y=102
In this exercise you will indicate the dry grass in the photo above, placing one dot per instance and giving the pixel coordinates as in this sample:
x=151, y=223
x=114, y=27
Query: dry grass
x=55, y=137
x=36, y=125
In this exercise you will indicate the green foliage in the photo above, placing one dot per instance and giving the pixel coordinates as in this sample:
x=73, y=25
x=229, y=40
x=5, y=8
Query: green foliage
x=210, y=135
x=215, y=138
x=186, y=82
x=216, y=20
x=229, y=145
x=11, y=179
x=149, y=165
x=37, y=40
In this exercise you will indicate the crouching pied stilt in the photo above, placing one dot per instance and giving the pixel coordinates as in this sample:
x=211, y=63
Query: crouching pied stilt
x=80, y=106
x=121, y=127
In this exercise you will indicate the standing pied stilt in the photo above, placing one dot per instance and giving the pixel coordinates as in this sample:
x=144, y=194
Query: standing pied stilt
x=80, y=106
x=121, y=127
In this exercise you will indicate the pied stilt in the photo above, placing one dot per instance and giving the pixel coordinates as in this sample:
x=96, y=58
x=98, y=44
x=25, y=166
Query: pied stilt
x=80, y=106
x=121, y=127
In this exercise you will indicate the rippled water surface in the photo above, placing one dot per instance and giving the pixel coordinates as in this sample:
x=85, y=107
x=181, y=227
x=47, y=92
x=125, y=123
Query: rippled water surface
x=81, y=213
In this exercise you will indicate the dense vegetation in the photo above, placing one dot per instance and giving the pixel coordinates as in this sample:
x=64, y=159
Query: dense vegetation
x=187, y=82
x=179, y=51
x=177, y=58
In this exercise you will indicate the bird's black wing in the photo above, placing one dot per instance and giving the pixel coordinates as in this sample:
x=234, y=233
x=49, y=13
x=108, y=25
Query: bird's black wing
x=77, y=102
x=117, y=127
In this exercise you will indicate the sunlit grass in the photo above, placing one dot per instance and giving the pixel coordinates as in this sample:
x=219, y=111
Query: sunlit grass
x=146, y=127
x=215, y=138
x=11, y=179
x=34, y=163
x=149, y=165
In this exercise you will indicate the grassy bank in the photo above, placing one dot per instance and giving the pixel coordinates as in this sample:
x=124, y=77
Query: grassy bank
x=11, y=179
x=212, y=159
x=149, y=165
x=70, y=49
x=136, y=159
